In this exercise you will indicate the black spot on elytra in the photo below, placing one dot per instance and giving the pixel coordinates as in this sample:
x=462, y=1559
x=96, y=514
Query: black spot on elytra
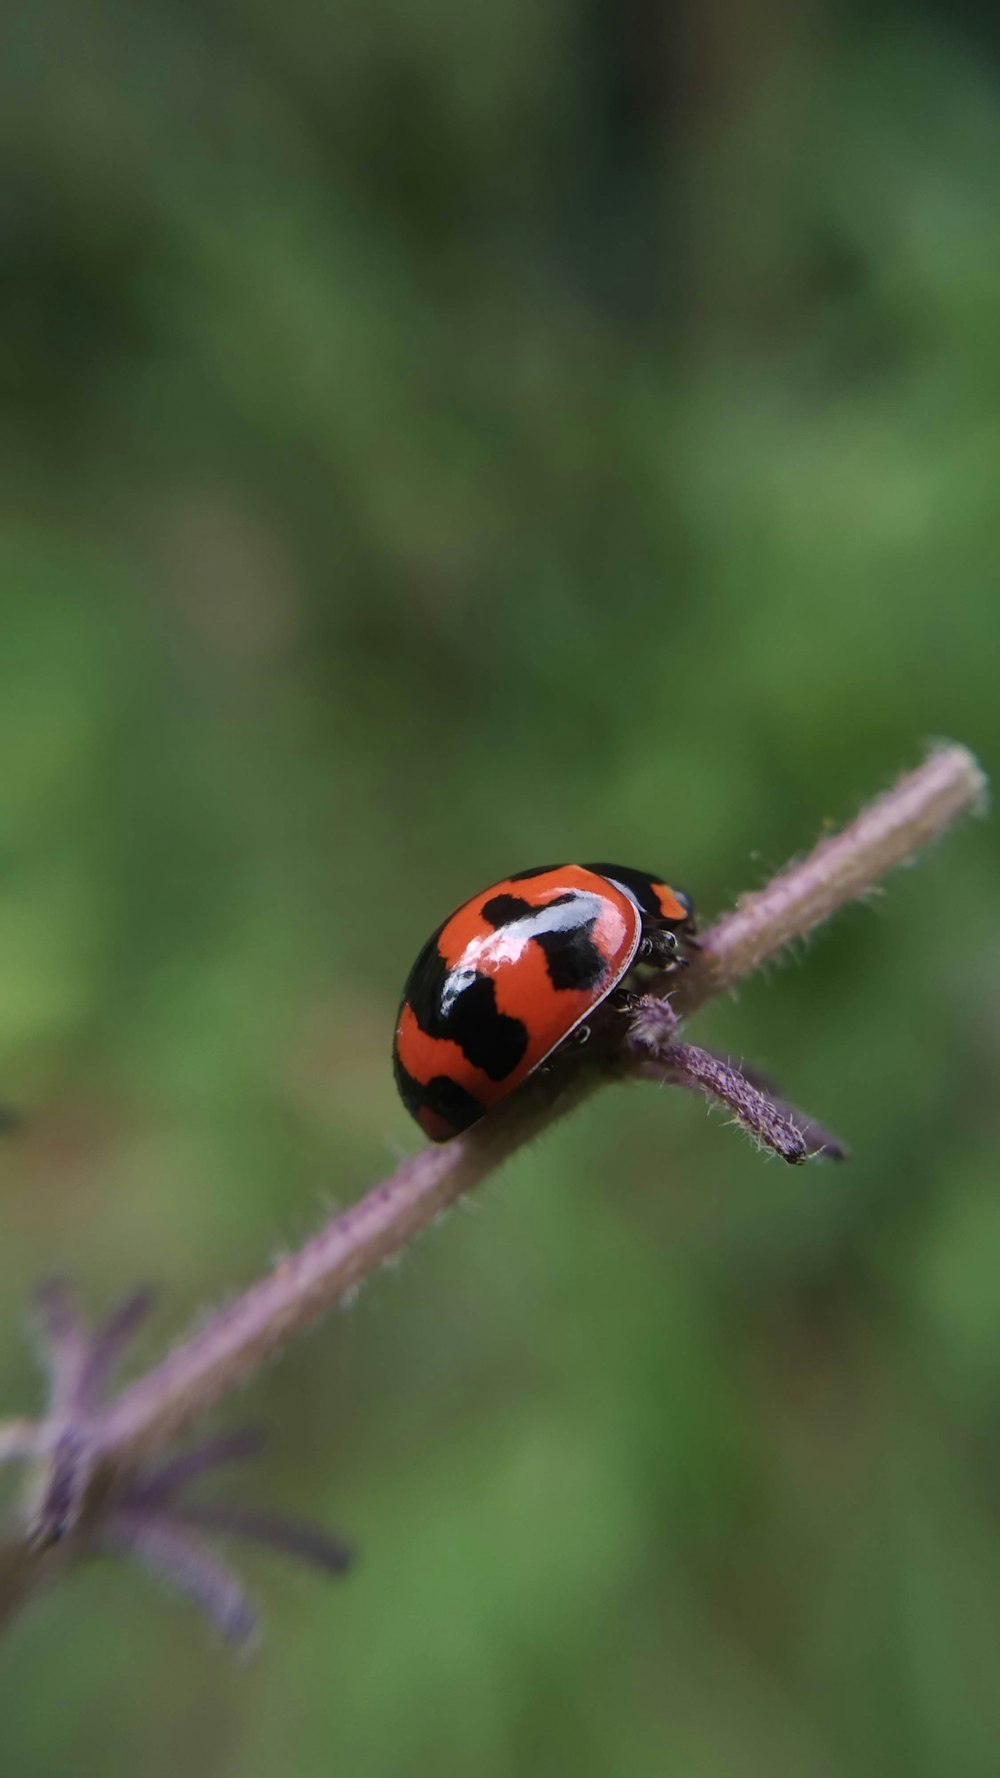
x=571, y=956
x=441, y=1095
x=490, y=1039
x=503, y=910
x=449, y=1101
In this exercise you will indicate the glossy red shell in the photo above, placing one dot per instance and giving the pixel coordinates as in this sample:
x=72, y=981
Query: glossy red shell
x=507, y=978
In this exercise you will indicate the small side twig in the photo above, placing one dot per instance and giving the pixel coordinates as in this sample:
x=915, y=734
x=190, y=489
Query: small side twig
x=125, y=1436
x=184, y=1563
x=769, y=1121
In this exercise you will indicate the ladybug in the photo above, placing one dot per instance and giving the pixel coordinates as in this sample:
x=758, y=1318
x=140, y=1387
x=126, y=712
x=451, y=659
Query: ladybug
x=514, y=972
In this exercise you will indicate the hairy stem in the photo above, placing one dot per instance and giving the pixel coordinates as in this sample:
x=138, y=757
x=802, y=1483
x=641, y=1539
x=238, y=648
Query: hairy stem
x=237, y=1340
x=840, y=869
x=244, y=1334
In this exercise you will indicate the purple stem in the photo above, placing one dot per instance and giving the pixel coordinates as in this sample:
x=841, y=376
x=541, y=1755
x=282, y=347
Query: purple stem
x=683, y=1064
x=293, y=1537
x=182, y=1560
x=107, y=1347
x=66, y=1484
x=236, y=1341
x=221, y=1353
x=159, y=1484
x=65, y=1338
x=818, y=1139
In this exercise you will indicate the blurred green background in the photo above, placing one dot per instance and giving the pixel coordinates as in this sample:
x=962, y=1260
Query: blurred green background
x=438, y=440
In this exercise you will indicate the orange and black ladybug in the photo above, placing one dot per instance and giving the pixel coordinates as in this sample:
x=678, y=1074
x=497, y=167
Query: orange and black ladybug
x=513, y=972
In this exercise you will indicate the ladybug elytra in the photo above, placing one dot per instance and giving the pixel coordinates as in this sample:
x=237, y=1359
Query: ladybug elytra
x=513, y=972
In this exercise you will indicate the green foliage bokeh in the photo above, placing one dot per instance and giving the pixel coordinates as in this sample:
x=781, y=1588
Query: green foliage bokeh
x=440, y=440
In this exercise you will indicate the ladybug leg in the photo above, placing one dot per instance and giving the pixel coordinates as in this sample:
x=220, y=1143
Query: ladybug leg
x=572, y=1043
x=660, y=947
x=626, y=1000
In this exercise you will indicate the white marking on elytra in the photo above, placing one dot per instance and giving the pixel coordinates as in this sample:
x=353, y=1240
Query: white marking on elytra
x=488, y=953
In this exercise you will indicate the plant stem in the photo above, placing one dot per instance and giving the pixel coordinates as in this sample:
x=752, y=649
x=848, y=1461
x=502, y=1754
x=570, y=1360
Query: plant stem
x=840, y=869
x=240, y=1337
